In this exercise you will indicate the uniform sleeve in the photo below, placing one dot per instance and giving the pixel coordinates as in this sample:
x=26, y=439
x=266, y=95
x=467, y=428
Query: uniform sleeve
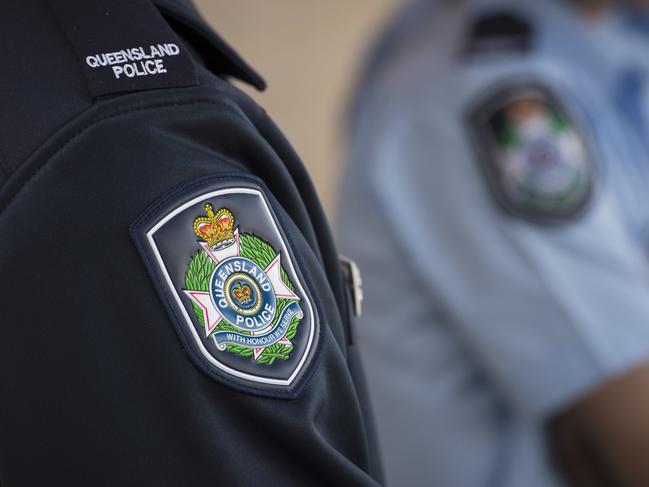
x=168, y=320
x=548, y=311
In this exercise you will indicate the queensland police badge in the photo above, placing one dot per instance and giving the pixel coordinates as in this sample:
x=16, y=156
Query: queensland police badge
x=237, y=296
x=238, y=293
x=536, y=159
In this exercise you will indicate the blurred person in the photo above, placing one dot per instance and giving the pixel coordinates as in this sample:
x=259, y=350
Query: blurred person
x=173, y=310
x=496, y=201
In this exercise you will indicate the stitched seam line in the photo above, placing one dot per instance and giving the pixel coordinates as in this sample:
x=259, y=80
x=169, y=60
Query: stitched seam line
x=90, y=125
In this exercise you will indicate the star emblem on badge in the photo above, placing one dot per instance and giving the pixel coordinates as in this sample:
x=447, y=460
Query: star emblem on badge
x=241, y=287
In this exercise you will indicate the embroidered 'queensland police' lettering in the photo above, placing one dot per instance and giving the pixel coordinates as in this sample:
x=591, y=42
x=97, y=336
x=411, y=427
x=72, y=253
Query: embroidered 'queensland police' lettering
x=124, y=46
x=237, y=296
x=135, y=61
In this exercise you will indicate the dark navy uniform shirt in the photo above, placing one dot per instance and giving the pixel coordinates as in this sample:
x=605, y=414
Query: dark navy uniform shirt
x=172, y=308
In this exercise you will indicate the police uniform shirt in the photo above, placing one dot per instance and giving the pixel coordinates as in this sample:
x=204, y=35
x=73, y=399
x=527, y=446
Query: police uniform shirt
x=172, y=309
x=495, y=295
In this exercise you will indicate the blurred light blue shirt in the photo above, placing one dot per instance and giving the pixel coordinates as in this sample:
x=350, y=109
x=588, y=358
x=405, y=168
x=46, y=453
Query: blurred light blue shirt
x=479, y=326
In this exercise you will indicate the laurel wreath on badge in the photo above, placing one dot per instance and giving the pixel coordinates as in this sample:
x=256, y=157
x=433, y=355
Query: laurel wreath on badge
x=248, y=291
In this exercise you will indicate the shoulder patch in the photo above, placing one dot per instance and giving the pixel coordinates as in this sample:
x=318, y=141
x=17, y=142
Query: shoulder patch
x=224, y=268
x=498, y=32
x=536, y=161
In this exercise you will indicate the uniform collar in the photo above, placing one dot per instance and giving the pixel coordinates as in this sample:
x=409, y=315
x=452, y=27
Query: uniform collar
x=218, y=56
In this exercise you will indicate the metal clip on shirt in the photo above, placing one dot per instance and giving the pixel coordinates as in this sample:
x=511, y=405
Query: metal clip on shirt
x=354, y=281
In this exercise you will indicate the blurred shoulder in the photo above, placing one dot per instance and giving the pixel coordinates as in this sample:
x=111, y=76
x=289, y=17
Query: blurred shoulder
x=435, y=51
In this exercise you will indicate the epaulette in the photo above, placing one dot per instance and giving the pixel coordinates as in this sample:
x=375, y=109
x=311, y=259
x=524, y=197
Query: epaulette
x=217, y=55
x=498, y=32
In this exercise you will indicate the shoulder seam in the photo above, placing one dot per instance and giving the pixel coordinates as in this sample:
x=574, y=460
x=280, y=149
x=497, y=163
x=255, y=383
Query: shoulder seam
x=87, y=127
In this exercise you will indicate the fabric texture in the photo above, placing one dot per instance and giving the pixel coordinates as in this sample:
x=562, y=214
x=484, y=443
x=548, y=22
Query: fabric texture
x=96, y=385
x=479, y=325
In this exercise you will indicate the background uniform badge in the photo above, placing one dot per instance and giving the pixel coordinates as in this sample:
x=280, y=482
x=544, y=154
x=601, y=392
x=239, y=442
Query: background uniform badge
x=536, y=160
x=231, y=282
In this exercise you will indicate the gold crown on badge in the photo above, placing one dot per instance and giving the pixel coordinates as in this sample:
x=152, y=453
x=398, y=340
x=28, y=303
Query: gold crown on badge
x=242, y=293
x=217, y=229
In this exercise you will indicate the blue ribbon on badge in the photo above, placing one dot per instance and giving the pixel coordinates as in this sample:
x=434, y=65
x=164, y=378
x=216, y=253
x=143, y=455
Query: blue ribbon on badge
x=222, y=338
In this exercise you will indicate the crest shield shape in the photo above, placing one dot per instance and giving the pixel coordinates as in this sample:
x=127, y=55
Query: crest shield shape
x=538, y=162
x=226, y=272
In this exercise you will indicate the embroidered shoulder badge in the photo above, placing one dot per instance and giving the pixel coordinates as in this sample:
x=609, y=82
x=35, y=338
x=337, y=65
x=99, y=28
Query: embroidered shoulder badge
x=536, y=160
x=232, y=285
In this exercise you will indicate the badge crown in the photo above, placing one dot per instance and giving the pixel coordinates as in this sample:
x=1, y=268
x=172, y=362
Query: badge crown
x=242, y=293
x=217, y=229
